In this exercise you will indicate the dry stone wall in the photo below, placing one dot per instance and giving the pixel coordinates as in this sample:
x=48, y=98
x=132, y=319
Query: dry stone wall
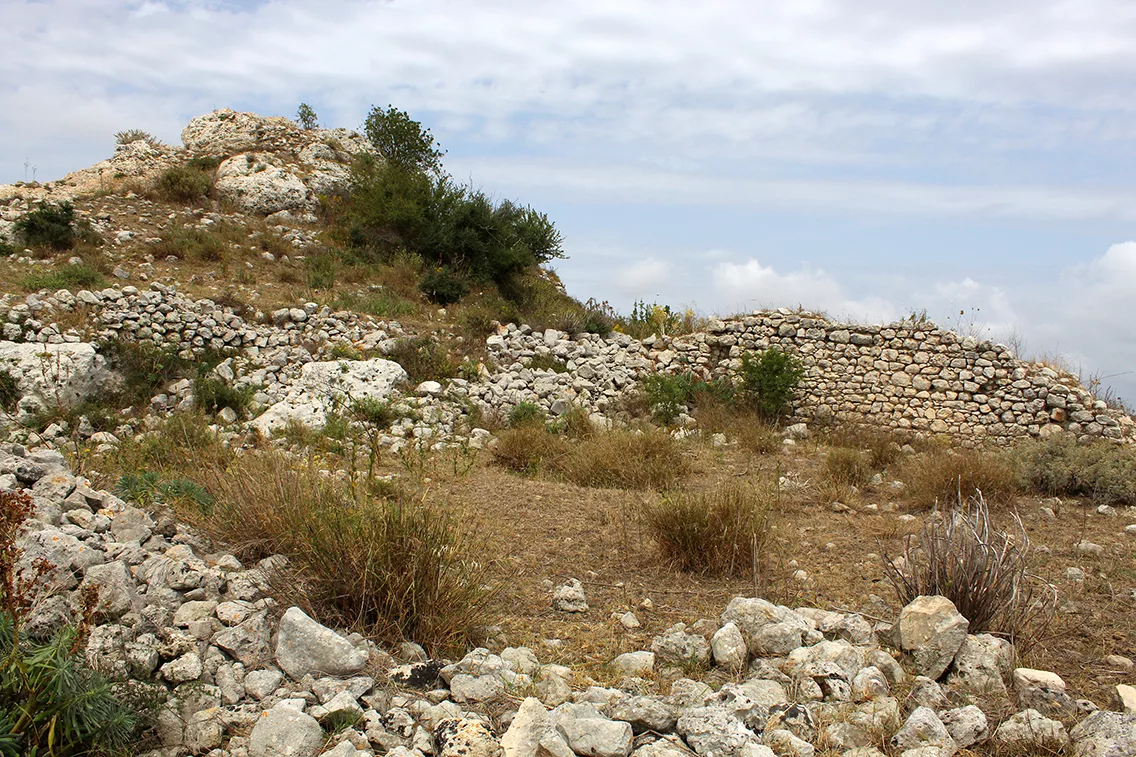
x=908, y=375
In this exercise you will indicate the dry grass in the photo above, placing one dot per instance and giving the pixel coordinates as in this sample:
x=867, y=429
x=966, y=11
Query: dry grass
x=625, y=460
x=847, y=467
x=612, y=459
x=724, y=531
x=883, y=447
x=938, y=477
x=389, y=566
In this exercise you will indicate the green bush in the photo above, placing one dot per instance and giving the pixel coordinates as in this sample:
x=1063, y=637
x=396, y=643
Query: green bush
x=148, y=489
x=724, y=531
x=666, y=394
x=320, y=268
x=64, y=277
x=374, y=411
x=1102, y=471
x=186, y=184
x=446, y=224
x=9, y=390
x=49, y=226
x=191, y=243
x=7, y=250
x=768, y=381
x=306, y=117
x=443, y=286
x=402, y=141
x=526, y=413
x=51, y=702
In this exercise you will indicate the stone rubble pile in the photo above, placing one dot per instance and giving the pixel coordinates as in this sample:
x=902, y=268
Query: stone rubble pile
x=240, y=678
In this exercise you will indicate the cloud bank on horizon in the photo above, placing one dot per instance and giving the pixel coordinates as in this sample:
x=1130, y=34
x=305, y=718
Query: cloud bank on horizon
x=972, y=159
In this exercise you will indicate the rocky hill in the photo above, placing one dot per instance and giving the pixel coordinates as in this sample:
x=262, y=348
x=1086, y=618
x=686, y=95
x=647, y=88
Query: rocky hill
x=195, y=459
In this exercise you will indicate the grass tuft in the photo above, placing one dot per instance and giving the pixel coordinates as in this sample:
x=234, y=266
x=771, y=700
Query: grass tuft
x=724, y=531
x=938, y=477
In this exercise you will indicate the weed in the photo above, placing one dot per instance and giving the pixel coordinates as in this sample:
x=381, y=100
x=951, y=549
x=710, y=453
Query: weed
x=723, y=531
x=320, y=269
x=129, y=136
x=423, y=359
x=624, y=460
x=145, y=368
x=984, y=571
x=51, y=702
x=211, y=395
x=191, y=243
x=847, y=467
x=380, y=304
x=9, y=390
x=374, y=411
x=527, y=449
x=66, y=277
x=526, y=414
x=547, y=363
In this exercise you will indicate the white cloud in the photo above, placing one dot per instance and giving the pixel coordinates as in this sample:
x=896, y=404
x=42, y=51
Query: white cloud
x=644, y=279
x=750, y=285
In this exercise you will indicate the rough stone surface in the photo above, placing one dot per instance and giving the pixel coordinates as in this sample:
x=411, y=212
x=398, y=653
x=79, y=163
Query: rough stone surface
x=932, y=630
x=304, y=647
x=285, y=732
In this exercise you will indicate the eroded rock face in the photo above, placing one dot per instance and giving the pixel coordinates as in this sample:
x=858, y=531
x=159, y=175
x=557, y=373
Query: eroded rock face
x=50, y=375
x=259, y=183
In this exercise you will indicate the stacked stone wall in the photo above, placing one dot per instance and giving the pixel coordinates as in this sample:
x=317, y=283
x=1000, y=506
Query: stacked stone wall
x=909, y=375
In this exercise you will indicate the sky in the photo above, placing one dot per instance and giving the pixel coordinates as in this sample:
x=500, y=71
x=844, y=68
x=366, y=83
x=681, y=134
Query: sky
x=868, y=159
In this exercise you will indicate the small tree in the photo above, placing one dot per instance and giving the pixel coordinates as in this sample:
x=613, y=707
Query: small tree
x=768, y=381
x=402, y=141
x=306, y=117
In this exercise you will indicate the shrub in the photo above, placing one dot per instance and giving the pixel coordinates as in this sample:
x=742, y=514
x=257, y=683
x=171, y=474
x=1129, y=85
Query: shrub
x=984, y=571
x=51, y=702
x=211, y=395
x=185, y=184
x=306, y=117
x=768, y=381
x=724, y=531
x=9, y=390
x=599, y=317
x=939, y=477
x=49, y=226
x=402, y=141
x=394, y=569
x=667, y=394
x=526, y=413
x=624, y=460
x=443, y=286
x=447, y=224
x=129, y=136
x=423, y=359
x=7, y=250
x=180, y=447
x=65, y=277
x=882, y=446
x=646, y=320
x=1059, y=466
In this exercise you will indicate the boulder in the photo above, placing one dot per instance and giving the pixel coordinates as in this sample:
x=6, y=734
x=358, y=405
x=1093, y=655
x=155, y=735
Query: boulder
x=1030, y=729
x=285, y=732
x=1105, y=734
x=931, y=629
x=50, y=375
x=324, y=384
x=465, y=737
x=1043, y=691
x=304, y=647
